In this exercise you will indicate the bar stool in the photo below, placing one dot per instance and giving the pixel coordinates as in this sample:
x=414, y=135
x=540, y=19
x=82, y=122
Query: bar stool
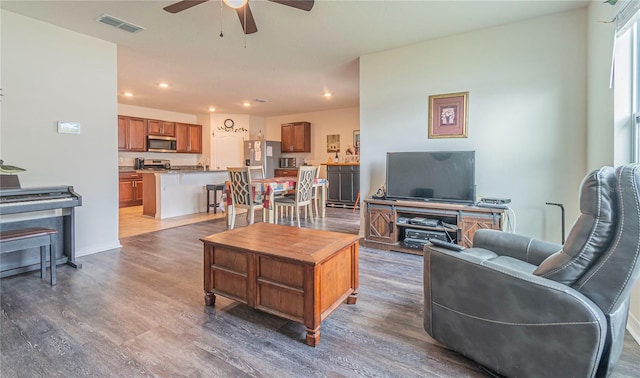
x=16, y=240
x=215, y=188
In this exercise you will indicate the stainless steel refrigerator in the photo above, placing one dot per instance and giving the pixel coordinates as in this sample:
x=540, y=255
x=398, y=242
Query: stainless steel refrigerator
x=266, y=153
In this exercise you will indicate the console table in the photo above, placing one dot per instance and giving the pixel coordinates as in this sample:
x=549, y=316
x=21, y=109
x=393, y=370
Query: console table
x=458, y=222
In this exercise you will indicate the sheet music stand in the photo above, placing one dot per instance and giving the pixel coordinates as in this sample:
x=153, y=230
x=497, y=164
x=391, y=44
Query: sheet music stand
x=9, y=182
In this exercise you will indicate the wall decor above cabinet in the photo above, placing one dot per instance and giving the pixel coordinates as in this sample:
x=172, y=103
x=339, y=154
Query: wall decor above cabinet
x=296, y=137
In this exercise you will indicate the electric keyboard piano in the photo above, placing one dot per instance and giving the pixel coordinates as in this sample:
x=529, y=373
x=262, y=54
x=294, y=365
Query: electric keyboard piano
x=51, y=207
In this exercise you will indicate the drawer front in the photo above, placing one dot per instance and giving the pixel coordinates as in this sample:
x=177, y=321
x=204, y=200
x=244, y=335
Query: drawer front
x=129, y=176
x=230, y=285
x=281, y=301
x=229, y=273
x=280, y=272
x=286, y=172
x=230, y=260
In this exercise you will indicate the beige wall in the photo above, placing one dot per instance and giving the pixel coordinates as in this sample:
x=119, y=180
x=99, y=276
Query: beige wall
x=527, y=111
x=341, y=121
x=51, y=74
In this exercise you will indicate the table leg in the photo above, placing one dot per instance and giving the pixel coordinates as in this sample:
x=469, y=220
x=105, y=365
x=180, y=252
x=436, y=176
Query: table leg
x=313, y=336
x=209, y=299
x=352, y=298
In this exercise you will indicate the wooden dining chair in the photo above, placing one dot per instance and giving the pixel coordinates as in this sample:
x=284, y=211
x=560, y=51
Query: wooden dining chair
x=242, y=195
x=303, y=194
x=314, y=197
x=257, y=172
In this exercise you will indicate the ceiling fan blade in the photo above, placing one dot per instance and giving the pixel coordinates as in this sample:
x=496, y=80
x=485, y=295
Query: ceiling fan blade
x=304, y=5
x=182, y=5
x=251, y=23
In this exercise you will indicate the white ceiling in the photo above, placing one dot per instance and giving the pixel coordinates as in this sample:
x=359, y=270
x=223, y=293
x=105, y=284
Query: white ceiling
x=290, y=62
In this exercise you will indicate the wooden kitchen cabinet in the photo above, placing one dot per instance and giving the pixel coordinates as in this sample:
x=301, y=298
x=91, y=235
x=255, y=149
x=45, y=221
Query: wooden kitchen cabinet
x=285, y=172
x=130, y=189
x=188, y=138
x=132, y=134
x=164, y=128
x=296, y=137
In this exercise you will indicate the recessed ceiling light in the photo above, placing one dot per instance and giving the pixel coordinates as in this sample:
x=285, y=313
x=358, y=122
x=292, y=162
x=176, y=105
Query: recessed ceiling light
x=212, y=109
x=247, y=104
x=128, y=94
x=163, y=85
x=327, y=94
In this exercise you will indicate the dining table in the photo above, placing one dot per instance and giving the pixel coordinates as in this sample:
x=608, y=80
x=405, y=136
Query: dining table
x=267, y=189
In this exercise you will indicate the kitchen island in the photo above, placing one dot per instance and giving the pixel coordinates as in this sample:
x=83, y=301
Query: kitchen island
x=173, y=193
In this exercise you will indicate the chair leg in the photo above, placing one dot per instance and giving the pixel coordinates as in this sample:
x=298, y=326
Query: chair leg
x=52, y=258
x=232, y=217
x=297, y=215
x=316, y=199
x=311, y=212
x=43, y=261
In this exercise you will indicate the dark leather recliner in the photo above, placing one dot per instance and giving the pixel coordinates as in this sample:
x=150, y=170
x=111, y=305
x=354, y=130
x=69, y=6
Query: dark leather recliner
x=528, y=308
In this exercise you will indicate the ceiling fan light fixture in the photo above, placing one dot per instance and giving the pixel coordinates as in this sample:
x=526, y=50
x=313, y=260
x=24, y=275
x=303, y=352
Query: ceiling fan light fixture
x=235, y=4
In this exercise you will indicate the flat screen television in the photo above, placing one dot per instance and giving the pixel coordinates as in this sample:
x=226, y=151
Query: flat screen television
x=445, y=176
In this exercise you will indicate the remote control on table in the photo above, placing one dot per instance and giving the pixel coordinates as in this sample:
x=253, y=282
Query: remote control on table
x=447, y=245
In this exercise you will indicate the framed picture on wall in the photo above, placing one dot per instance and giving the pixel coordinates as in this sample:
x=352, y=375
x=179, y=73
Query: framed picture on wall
x=448, y=115
x=333, y=143
x=356, y=138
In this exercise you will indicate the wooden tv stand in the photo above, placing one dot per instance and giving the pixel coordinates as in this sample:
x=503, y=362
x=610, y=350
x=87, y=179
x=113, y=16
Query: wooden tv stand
x=458, y=222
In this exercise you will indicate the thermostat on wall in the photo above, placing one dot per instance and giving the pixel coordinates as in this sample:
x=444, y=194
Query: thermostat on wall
x=68, y=127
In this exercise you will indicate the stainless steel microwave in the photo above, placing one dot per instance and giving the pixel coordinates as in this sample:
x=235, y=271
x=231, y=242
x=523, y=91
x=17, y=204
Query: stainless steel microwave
x=157, y=143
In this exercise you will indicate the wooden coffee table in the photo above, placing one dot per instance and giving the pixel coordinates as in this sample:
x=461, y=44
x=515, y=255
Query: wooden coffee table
x=295, y=273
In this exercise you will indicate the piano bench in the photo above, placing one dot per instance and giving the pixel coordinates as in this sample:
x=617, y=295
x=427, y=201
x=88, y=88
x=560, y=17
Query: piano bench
x=17, y=240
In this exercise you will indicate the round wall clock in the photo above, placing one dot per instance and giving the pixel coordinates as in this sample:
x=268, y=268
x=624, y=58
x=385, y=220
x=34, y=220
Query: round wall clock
x=228, y=123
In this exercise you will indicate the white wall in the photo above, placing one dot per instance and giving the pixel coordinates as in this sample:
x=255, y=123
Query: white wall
x=527, y=111
x=51, y=74
x=339, y=121
x=609, y=126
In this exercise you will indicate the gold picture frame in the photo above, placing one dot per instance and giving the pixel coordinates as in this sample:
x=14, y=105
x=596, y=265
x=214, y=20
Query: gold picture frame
x=448, y=115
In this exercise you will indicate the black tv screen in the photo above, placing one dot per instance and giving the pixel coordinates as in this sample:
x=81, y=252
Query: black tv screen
x=447, y=176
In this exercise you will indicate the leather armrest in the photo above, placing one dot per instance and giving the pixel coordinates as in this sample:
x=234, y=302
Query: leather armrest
x=508, y=312
x=521, y=247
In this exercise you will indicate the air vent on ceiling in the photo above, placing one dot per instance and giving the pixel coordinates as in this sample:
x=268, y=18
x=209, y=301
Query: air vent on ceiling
x=120, y=24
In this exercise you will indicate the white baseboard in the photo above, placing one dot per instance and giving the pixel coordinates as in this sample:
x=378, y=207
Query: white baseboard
x=633, y=326
x=99, y=248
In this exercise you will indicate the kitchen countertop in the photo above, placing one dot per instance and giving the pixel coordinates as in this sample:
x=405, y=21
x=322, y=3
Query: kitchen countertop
x=172, y=170
x=356, y=163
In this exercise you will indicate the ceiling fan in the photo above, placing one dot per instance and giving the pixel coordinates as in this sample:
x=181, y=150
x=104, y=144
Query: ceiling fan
x=242, y=9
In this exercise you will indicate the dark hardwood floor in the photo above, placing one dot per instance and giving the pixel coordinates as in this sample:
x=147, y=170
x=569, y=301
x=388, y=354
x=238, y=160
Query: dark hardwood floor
x=138, y=311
